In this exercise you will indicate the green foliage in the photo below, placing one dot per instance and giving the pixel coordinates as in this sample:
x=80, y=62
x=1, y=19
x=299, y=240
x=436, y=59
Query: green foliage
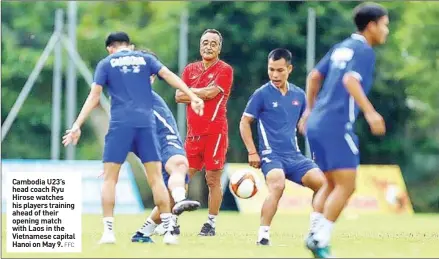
x=22, y=43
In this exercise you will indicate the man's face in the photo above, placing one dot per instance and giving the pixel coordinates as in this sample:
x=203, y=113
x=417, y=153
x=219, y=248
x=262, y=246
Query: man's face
x=210, y=46
x=380, y=30
x=279, y=71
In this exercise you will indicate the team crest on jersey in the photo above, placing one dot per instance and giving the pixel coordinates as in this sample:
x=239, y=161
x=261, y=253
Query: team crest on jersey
x=296, y=103
x=210, y=76
x=275, y=104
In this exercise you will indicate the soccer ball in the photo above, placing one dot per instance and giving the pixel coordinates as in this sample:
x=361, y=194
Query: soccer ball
x=244, y=184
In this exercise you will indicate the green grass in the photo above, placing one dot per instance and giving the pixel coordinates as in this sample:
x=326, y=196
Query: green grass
x=364, y=236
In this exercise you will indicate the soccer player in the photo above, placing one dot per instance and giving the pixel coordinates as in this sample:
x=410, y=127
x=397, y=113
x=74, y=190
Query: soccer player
x=346, y=73
x=207, y=136
x=176, y=167
x=277, y=106
x=126, y=74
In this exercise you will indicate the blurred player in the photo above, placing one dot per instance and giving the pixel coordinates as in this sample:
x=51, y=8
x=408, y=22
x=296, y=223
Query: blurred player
x=277, y=106
x=347, y=74
x=126, y=73
x=175, y=169
x=207, y=137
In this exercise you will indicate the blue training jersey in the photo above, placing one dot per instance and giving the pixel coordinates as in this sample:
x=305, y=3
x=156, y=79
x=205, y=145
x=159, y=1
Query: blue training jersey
x=277, y=117
x=126, y=75
x=167, y=130
x=334, y=107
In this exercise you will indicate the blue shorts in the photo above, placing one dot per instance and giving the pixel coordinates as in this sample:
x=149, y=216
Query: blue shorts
x=120, y=140
x=169, y=150
x=334, y=150
x=295, y=166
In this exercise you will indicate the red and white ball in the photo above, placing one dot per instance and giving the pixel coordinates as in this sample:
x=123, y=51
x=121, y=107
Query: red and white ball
x=244, y=184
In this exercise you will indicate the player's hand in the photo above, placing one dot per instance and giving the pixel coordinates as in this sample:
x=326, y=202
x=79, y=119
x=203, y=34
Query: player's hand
x=302, y=122
x=72, y=136
x=376, y=123
x=254, y=160
x=197, y=105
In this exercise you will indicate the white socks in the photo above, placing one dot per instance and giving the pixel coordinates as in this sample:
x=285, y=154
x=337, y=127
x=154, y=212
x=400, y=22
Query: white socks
x=323, y=232
x=108, y=224
x=148, y=227
x=167, y=220
x=314, y=221
x=211, y=220
x=264, y=232
x=178, y=194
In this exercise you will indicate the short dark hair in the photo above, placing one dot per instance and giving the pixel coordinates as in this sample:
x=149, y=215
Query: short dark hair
x=280, y=53
x=365, y=13
x=117, y=38
x=215, y=32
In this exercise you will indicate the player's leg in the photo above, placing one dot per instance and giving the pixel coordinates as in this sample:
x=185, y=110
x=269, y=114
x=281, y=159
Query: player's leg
x=117, y=145
x=144, y=233
x=149, y=154
x=177, y=167
x=272, y=168
x=343, y=182
x=304, y=171
x=340, y=170
x=159, y=229
x=214, y=159
x=153, y=224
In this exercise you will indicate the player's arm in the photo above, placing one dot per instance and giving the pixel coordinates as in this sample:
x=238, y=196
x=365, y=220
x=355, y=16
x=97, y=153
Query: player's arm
x=181, y=97
x=90, y=103
x=93, y=98
x=246, y=133
x=353, y=86
x=303, y=109
x=315, y=79
x=251, y=112
x=313, y=84
x=362, y=67
x=197, y=103
x=157, y=68
x=176, y=82
x=74, y=133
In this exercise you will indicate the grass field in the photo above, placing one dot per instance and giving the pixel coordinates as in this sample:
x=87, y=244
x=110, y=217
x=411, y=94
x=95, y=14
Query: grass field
x=362, y=236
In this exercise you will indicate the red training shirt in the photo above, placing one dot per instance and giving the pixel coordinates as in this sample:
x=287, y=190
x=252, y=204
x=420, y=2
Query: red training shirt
x=214, y=119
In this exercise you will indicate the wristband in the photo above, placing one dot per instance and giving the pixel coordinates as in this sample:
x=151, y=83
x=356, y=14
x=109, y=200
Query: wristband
x=252, y=153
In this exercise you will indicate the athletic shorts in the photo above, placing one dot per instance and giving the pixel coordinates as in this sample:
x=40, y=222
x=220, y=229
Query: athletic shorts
x=334, y=150
x=120, y=140
x=295, y=166
x=207, y=151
